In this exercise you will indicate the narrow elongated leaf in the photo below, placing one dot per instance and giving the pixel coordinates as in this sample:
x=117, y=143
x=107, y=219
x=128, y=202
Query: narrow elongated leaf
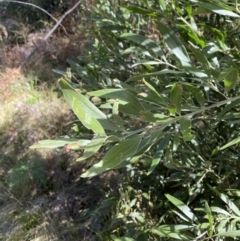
x=229, y=77
x=201, y=59
x=70, y=94
x=153, y=89
x=129, y=104
x=162, y=72
x=115, y=156
x=210, y=218
x=168, y=234
x=172, y=231
x=229, y=234
x=196, y=92
x=185, y=125
x=92, y=148
x=227, y=108
x=220, y=210
x=159, y=153
x=146, y=42
x=222, y=226
x=149, y=141
x=182, y=207
x=225, y=199
x=176, y=97
x=231, y=143
x=176, y=141
x=124, y=239
x=217, y=9
x=174, y=43
x=147, y=62
x=60, y=143
x=134, y=9
x=87, y=120
x=80, y=70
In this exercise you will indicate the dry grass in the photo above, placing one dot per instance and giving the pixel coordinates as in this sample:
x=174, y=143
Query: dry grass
x=41, y=195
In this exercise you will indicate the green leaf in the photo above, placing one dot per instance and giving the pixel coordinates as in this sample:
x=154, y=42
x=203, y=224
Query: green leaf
x=70, y=94
x=159, y=153
x=225, y=199
x=210, y=218
x=151, y=87
x=174, y=43
x=114, y=157
x=134, y=9
x=185, y=125
x=138, y=216
x=229, y=234
x=143, y=41
x=222, y=226
x=229, y=77
x=217, y=9
x=162, y=4
x=92, y=148
x=172, y=231
x=162, y=72
x=201, y=59
x=80, y=70
x=123, y=239
x=227, y=108
x=127, y=101
x=176, y=141
x=60, y=143
x=183, y=208
x=176, y=97
x=196, y=92
x=231, y=143
x=87, y=120
x=220, y=210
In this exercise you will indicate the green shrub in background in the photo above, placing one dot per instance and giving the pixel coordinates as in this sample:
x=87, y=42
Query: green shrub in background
x=164, y=103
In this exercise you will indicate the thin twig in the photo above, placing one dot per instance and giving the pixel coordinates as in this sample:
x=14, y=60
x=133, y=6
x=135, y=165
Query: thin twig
x=50, y=33
x=35, y=6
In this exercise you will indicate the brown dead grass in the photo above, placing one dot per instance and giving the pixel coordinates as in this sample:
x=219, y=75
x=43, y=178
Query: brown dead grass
x=9, y=78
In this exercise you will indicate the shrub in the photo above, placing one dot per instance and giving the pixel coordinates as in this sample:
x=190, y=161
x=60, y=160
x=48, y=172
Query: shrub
x=164, y=105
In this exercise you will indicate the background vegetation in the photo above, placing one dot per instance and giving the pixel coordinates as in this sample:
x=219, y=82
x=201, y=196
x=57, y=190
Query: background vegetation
x=150, y=148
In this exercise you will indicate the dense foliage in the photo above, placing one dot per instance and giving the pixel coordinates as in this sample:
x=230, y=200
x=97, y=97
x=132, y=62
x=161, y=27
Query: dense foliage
x=157, y=93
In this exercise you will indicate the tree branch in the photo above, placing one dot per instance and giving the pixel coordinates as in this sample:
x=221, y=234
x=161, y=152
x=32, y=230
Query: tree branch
x=50, y=33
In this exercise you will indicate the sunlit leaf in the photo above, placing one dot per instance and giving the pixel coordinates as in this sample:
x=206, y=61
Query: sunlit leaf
x=225, y=199
x=159, y=153
x=162, y=72
x=115, y=156
x=182, y=207
x=229, y=77
x=176, y=97
x=123, y=239
x=229, y=234
x=196, y=92
x=217, y=9
x=231, y=143
x=210, y=218
x=92, y=148
x=174, y=43
x=60, y=143
x=176, y=141
x=87, y=120
x=128, y=103
x=185, y=125
x=70, y=94
x=227, y=108
x=146, y=42
x=134, y=9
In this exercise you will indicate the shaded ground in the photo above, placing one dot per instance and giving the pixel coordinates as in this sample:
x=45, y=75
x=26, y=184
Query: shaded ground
x=42, y=197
